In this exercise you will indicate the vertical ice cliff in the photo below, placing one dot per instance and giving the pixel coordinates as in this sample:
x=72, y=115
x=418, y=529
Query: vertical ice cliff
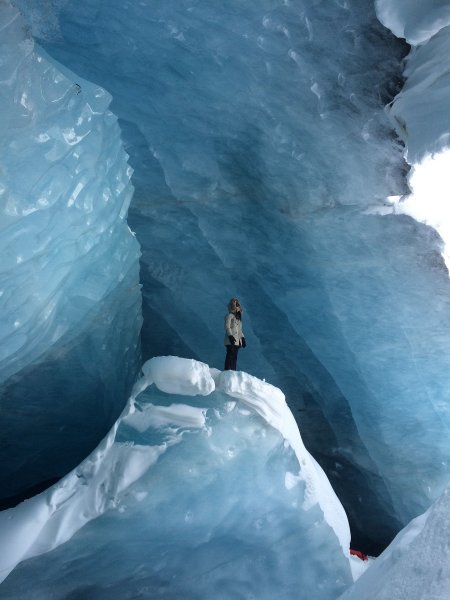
x=258, y=139
x=416, y=564
x=69, y=292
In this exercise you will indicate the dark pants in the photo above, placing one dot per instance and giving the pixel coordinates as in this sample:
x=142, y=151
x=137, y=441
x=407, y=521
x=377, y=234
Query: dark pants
x=231, y=358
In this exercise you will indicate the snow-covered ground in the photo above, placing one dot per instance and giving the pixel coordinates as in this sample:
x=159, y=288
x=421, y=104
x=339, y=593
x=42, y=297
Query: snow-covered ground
x=202, y=487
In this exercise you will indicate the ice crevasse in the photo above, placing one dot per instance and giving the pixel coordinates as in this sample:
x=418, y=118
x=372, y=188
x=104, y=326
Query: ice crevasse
x=203, y=488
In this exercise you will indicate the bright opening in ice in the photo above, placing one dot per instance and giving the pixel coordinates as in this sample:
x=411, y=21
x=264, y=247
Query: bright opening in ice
x=429, y=198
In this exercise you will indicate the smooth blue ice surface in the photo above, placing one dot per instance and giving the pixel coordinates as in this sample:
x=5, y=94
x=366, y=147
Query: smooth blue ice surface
x=263, y=158
x=69, y=292
x=203, y=489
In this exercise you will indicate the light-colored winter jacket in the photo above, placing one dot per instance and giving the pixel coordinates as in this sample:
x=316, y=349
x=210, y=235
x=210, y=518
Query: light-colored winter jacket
x=233, y=326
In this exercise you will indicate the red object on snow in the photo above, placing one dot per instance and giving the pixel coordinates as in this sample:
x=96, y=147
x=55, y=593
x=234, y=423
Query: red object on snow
x=359, y=554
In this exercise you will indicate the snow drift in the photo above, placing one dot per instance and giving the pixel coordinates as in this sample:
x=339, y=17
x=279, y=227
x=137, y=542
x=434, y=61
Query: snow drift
x=202, y=488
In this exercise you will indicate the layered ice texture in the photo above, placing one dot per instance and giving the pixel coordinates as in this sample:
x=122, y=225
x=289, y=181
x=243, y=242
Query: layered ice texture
x=265, y=167
x=263, y=162
x=416, y=563
x=202, y=489
x=69, y=288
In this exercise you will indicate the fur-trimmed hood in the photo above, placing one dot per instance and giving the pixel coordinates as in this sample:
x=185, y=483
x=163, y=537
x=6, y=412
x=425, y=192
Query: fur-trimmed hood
x=232, y=304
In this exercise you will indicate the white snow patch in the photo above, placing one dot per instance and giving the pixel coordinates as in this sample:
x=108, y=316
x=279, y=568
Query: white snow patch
x=176, y=415
x=44, y=522
x=175, y=375
x=269, y=402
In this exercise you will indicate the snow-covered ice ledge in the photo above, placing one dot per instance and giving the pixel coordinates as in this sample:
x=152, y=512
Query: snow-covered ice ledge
x=107, y=476
x=420, y=112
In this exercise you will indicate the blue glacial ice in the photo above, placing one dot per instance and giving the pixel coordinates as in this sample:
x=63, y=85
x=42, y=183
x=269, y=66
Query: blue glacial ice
x=202, y=489
x=266, y=167
x=416, y=564
x=69, y=280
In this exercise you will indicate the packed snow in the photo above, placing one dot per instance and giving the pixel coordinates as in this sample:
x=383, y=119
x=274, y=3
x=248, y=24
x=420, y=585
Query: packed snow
x=193, y=492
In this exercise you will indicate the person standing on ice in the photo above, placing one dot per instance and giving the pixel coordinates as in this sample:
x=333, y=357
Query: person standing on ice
x=234, y=338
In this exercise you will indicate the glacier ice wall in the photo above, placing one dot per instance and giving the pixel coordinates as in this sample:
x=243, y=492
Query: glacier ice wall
x=255, y=132
x=263, y=162
x=69, y=293
x=202, y=489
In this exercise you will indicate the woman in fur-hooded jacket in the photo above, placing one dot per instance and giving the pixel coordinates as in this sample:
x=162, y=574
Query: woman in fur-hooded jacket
x=234, y=338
